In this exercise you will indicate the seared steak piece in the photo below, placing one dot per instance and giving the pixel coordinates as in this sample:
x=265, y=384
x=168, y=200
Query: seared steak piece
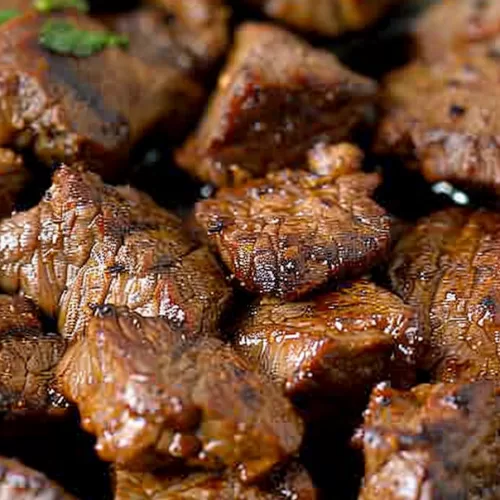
x=454, y=26
x=194, y=35
x=434, y=442
x=18, y=482
x=275, y=99
x=325, y=17
x=87, y=243
x=338, y=344
x=291, y=483
x=292, y=231
x=13, y=177
x=93, y=108
x=444, y=119
x=151, y=397
x=448, y=268
x=28, y=358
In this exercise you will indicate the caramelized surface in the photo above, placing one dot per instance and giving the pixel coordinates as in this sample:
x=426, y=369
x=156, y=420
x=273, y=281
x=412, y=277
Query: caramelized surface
x=276, y=97
x=151, y=398
x=447, y=267
x=87, y=243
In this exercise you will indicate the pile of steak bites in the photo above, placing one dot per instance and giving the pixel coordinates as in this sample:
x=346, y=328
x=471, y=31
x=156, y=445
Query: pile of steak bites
x=232, y=268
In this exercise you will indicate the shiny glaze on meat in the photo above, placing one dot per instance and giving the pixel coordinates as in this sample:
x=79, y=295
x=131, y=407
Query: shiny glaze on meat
x=448, y=268
x=87, y=243
x=292, y=231
x=28, y=358
x=152, y=397
x=336, y=345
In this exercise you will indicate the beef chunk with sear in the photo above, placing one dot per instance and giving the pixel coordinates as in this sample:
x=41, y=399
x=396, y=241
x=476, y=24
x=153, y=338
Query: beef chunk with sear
x=448, y=268
x=443, y=120
x=28, y=358
x=69, y=108
x=151, y=397
x=87, y=243
x=13, y=178
x=325, y=17
x=275, y=99
x=292, y=482
x=337, y=345
x=18, y=482
x=455, y=26
x=433, y=442
x=292, y=231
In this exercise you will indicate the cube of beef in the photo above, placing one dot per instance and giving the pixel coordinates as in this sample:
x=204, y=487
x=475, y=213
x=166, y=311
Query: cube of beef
x=94, y=108
x=87, y=243
x=434, y=442
x=275, y=99
x=291, y=232
x=154, y=398
x=448, y=268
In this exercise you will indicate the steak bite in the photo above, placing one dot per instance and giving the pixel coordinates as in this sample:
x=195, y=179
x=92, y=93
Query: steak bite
x=152, y=398
x=436, y=441
x=69, y=108
x=275, y=99
x=18, y=482
x=443, y=119
x=13, y=178
x=87, y=243
x=196, y=34
x=325, y=17
x=456, y=26
x=28, y=358
x=292, y=231
x=339, y=344
x=293, y=482
x=448, y=268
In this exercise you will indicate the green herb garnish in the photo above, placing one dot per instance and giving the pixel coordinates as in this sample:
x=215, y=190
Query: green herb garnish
x=8, y=14
x=65, y=38
x=52, y=5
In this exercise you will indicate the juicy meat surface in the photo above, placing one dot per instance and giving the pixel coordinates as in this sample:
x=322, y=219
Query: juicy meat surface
x=448, y=268
x=291, y=483
x=434, y=442
x=151, y=397
x=339, y=344
x=276, y=98
x=13, y=178
x=292, y=231
x=452, y=26
x=18, y=482
x=28, y=358
x=325, y=17
x=90, y=108
x=444, y=119
x=87, y=243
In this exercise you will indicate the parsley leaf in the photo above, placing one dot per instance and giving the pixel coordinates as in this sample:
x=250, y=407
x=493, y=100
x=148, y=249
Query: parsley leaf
x=51, y=5
x=8, y=14
x=63, y=37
